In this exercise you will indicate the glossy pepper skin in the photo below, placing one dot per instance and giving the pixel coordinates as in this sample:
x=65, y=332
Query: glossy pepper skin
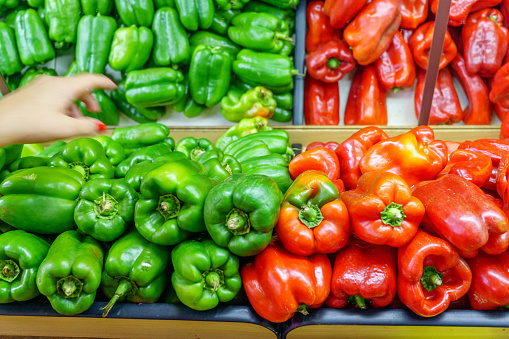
x=205, y=274
x=70, y=275
x=235, y=217
x=33, y=73
x=171, y=203
x=218, y=165
x=319, y=30
x=472, y=166
x=131, y=48
x=366, y=103
x=214, y=40
x=353, y=276
x=153, y=87
x=21, y=254
x=94, y=7
x=108, y=113
x=186, y=104
x=87, y=157
x=396, y=67
x=114, y=150
x=105, y=208
x=460, y=9
x=317, y=158
x=140, y=135
x=62, y=18
x=138, y=277
x=149, y=153
x=51, y=199
x=95, y=34
x=431, y=275
x=342, y=11
x=415, y=155
x=499, y=93
x=485, y=42
x=321, y=102
x=209, y=75
x=420, y=45
x=275, y=140
x=230, y=4
x=286, y=14
x=482, y=222
x=382, y=209
x=490, y=276
x=413, y=13
x=194, y=148
x=138, y=13
x=237, y=104
x=32, y=39
x=330, y=62
x=171, y=44
x=195, y=14
x=279, y=283
x=383, y=19
x=313, y=219
x=221, y=21
x=284, y=4
x=141, y=115
x=446, y=106
x=10, y=62
x=479, y=110
x=242, y=128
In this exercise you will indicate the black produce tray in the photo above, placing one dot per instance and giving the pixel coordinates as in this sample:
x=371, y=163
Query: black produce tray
x=299, y=63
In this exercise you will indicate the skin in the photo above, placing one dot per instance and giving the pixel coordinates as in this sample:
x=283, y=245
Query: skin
x=45, y=110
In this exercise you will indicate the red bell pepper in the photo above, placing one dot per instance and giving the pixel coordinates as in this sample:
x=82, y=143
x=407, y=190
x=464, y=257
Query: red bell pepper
x=451, y=146
x=342, y=11
x=446, y=106
x=330, y=62
x=416, y=156
x=382, y=209
x=319, y=29
x=459, y=211
x=352, y=150
x=479, y=110
x=313, y=219
x=413, y=12
x=407, y=34
x=503, y=176
x=364, y=273
x=395, y=67
x=504, y=128
x=431, y=275
x=499, y=93
x=485, y=42
x=460, y=9
x=332, y=145
x=279, y=283
x=490, y=281
x=420, y=45
x=321, y=102
x=504, y=8
x=471, y=166
x=366, y=103
x=370, y=33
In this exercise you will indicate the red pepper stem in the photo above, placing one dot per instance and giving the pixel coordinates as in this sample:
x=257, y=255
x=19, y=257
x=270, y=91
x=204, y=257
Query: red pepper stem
x=302, y=309
x=360, y=301
x=124, y=286
x=333, y=63
x=9, y=270
x=393, y=215
x=310, y=215
x=431, y=278
x=493, y=18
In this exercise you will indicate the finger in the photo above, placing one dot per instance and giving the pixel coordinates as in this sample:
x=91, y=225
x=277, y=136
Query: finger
x=84, y=82
x=73, y=127
x=74, y=111
x=90, y=102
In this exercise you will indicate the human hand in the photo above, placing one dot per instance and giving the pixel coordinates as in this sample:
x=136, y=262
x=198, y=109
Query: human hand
x=46, y=110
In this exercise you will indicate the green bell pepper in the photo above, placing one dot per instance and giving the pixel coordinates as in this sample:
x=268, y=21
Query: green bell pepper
x=164, y=3
x=131, y=48
x=194, y=148
x=139, y=114
x=172, y=202
x=113, y=149
x=241, y=212
x=154, y=87
x=195, y=14
x=7, y=5
x=230, y=4
x=205, y=274
x=36, y=3
x=214, y=40
x=284, y=4
x=10, y=153
x=31, y=73
x=259, y=31
x=244, y=127
x=140, y=135
x=31, y=150
x=276, y=141
x=186, y=104
x=287, y=15
x=222, y=20
x=209, y=75
x=13, y=81
x=95, y=34
x=71, y=273
x=139, y=277
x=218, y=165
x=147, y=153
x=85, y=156
x=51, y=199
x=62, y=17
x=251, y=149
x=108, y=114
x=5, y=227
x=105, y=208
x=171, y=47
x=273, y=166
x=10, y=62
x=32, y=39
x=52, y=149
x=135, y=12
x=21, y=254
x=238, y=105
x=95, y=7
x=28, y=162
x=272, y=71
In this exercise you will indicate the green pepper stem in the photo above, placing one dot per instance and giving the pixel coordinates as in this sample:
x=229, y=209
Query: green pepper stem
x=169, y=206
x=106, y=207
x=9, y=270
x=124, y=286
x=493, y=18
x=397, y=89
x=360, y=301
x=196, y=153
x=393, y=215
x=431, y=278
x=302, y=309
x=237, y=222
x=213, y=279
x=333, y=63
x=69, y=287
x=310, y=215
x=81, y=168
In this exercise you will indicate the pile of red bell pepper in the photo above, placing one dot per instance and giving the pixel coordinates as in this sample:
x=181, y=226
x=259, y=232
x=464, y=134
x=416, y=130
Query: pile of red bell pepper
x=387, y=43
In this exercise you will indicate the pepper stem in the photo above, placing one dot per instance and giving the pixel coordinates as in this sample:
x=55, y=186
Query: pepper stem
x=106, y=207
x=228, y=168
x=493, y=18
x=282, y=36
x=310, y=215
x=393, y=215
x=213, y=279
x=431, y=278
x=81, y=168
x=397, y=89
x=169, y=206
x=358, y=300
x=124, y=287
x=9, y=270
x=333, y=63
x=69, y=287
x=196, y=153
x=302, y=309
x=237, y=222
